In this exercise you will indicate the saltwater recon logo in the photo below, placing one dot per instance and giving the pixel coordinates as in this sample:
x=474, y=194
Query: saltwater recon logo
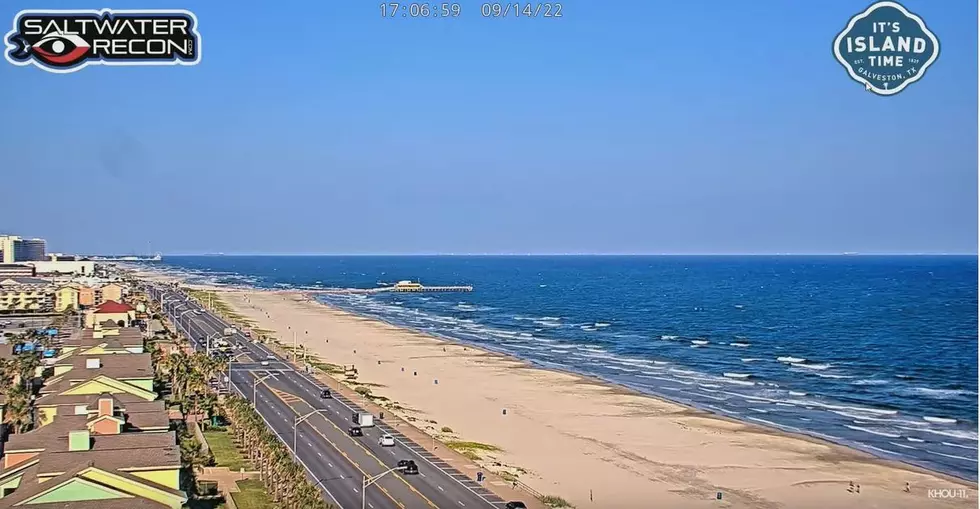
x=65, y=41
x=886, y=48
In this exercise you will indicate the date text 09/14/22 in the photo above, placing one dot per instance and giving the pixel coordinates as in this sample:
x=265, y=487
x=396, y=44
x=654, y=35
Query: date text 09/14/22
x=487, y=10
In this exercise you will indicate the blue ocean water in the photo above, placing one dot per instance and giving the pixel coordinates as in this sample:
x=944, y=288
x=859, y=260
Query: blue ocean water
x=879, y=353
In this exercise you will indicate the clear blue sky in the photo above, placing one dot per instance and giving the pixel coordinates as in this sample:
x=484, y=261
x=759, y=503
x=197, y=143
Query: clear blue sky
x=623, y=127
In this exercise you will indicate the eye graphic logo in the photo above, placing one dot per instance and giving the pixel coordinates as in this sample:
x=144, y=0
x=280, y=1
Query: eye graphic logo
x=60, y=49
x=886, y=48
x=63, y=41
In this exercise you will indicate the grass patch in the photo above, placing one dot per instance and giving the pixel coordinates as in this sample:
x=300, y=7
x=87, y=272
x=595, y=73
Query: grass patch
x=253, y=495
x=459, y=445
x=226, y=453
x=363, y=391
x=554, y=501
x=446, y=429
x=327, y=367
x=507, y=476
x=470, y=455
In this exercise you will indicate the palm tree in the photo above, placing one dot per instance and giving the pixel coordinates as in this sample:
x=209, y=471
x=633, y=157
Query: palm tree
x=17, y=414
x=285, y=480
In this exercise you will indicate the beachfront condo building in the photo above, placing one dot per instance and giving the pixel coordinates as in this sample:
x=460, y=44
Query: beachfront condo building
x=26, y=295
x=15, y=249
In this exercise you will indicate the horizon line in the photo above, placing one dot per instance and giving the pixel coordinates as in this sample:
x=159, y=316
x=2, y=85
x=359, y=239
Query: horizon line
x=567, y=254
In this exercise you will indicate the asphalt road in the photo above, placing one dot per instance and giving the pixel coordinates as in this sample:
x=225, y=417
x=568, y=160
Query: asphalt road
x=332, y=458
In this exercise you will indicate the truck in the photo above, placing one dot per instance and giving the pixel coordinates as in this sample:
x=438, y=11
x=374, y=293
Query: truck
x=230, y=331
x=363, y=419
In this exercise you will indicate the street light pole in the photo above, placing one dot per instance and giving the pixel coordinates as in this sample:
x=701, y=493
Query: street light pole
x=255, y=385
x=230, y=360
x=371, y=480
x=296, y=422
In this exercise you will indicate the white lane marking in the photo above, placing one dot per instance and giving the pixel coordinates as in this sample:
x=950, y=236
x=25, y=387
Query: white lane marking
x=440, y=488
x=370, y=505
x=355, y=490
x=330, y=464
x=301, y=462
x=461, y=503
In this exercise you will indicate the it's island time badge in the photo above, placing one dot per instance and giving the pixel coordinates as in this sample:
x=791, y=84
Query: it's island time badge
x=886, y=48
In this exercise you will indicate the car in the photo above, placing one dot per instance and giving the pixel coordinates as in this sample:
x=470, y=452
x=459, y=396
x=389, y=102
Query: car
x=386, y=441
x=408, y=467
x=515, y=505
x=271, y=357
x=264, y=363
x=325, y=394
x=355, y=431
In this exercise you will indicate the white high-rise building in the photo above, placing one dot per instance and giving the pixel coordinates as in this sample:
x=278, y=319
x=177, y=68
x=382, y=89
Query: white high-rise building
x=14, y=249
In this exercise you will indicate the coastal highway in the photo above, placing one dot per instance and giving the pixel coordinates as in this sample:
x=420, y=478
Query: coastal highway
x=337, y=462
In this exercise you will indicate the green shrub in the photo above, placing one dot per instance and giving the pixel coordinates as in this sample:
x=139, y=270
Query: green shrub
x=555, y=501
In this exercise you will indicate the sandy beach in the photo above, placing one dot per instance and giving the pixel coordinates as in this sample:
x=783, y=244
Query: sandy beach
x=592, y=443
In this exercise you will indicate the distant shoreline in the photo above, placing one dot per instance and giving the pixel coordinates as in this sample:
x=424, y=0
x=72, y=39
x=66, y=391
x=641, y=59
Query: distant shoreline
x=588, y=255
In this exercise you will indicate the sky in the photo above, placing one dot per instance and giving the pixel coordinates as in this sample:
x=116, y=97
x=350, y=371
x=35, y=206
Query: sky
x=646, y=126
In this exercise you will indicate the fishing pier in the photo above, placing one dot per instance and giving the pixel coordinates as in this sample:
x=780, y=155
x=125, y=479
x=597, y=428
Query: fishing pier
x=399, y=287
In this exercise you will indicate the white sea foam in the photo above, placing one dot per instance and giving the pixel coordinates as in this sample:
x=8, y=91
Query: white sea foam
x=713, y=407
x=878, y=432
x=961, y=446
x=873, y=381
x=683, y=371
x=547, y=323
x=739, y=344
x=820, y=367
x=739, y=382
x=668, y=337
x=903, y=446
x=831, y=375
x=776, y=425
x=938, y=393
x=710, y=386
x=699, y=342
x=737, y=375
x=750, y=359
x=661, y=362
x=600, y=325
x=939, y=420
x=953, y=433
x=795, y=393
x=913, y=439
x=791, y=360
x=964, y=458
x=886, y=451
x=761, y=411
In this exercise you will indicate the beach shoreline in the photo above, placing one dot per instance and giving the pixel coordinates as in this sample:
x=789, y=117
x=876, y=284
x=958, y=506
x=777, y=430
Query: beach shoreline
x=753, y=465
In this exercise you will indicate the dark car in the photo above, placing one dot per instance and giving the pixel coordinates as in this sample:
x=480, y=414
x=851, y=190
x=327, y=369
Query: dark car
x=408, y=467
x=355, y=431
x=515, y=505
x=353, y=416
x=325, y=394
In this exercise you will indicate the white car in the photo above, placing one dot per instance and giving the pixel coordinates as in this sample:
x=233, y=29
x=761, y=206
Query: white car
x=264, y=363
x=386, y=441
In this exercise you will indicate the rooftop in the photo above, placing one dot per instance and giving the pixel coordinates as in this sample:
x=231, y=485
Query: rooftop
x=111, y=306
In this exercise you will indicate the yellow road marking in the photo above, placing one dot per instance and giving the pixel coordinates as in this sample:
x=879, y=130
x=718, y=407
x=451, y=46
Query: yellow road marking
x=344, y=454
x=285, y=396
